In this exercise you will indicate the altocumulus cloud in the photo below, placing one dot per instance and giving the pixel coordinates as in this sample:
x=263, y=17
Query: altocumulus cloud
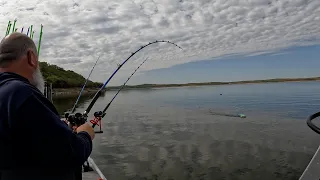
x=76, y=32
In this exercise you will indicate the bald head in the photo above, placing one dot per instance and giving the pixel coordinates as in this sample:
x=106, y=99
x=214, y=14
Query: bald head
x=14, y=47
x=18, y=54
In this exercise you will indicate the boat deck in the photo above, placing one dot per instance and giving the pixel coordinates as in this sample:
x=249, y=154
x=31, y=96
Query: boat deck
x=90, y=176
x=93, y=175
x=312, y=172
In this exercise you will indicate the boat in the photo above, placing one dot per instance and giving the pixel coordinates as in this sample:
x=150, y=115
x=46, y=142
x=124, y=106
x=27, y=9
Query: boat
x=312, y=171
x=96, y=174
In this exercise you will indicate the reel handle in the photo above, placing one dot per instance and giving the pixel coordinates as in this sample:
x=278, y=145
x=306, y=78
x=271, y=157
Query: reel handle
x=97, y=117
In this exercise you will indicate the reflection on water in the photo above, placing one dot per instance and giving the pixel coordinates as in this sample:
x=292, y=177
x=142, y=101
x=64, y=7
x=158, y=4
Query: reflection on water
x=171, y=134
x=198, y=146
x=65, y=103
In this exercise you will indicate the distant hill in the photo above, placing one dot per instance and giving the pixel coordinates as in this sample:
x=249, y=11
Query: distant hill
x=147, y=86
x=61, y=78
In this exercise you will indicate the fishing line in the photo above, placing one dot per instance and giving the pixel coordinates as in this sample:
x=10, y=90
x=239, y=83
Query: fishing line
x=75, y=104
x=96, y=63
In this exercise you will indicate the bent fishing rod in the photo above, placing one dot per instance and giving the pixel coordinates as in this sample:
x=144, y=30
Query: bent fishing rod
x=75, y=104
x=123, y=85
x=100, y=114
x=82, y=118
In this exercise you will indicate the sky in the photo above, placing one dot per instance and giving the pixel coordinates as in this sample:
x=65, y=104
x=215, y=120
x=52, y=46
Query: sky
x=295, y=62
x=221, y=40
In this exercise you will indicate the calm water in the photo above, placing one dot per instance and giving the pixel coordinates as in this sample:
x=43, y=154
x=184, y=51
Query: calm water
x=172, y=133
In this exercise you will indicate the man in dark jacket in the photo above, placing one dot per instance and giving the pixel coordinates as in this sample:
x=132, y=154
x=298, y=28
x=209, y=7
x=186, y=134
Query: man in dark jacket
x=34, y=142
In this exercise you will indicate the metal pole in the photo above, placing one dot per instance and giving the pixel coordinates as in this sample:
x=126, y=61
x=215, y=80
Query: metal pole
x=51, y=92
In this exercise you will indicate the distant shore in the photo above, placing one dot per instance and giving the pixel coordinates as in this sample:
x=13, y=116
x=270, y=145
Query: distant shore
x=58, y=92
x=278, y=80
x=71, y=92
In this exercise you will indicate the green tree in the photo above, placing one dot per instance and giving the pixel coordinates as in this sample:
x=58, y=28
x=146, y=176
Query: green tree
x=61, y=78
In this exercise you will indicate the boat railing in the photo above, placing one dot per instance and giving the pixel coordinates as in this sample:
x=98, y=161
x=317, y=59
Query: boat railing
x=48, y=91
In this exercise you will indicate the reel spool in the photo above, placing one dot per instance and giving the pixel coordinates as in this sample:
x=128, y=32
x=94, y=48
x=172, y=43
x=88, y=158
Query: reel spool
x=76, y=119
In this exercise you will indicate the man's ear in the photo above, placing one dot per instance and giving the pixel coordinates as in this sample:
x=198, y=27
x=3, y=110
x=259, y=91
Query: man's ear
x=32, y=60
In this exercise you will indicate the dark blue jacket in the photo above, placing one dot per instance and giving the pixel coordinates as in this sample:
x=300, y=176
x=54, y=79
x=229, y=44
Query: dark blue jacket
x=34, y=142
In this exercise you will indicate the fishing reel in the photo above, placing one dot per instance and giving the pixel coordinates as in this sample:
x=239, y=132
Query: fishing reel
x=97, y=120
x=79, y=119
x=76, y=119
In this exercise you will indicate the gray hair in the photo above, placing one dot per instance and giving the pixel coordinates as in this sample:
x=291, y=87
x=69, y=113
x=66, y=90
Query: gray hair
x=14, y=46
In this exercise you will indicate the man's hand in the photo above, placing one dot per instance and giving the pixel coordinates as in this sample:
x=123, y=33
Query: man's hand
x=87, y=128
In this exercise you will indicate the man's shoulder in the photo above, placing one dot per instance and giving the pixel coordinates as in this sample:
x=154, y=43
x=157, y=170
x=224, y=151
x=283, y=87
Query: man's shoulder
x=16, y=87
x=15, y=92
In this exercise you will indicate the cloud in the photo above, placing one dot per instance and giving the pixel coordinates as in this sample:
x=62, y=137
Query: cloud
x=77, y=32
x=259, y=53
x=280, y=54
x=67, y=60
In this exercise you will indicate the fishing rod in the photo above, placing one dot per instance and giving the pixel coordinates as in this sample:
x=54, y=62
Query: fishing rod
x=14, y=29
x=14, y=25
x=82, y=118
x=8, y=28
x=100, y=114
x=75, y=104
x=98, y=94
x=31, y=31
x=40, y=38
x=123, y=85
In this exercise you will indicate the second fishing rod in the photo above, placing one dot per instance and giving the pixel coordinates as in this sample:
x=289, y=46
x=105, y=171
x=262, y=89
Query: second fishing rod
x=100, y=114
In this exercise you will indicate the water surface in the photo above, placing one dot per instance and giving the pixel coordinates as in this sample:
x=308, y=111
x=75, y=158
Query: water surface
x=171, y=133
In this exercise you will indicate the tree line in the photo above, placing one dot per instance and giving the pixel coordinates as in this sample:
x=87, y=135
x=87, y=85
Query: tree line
x=61, y=78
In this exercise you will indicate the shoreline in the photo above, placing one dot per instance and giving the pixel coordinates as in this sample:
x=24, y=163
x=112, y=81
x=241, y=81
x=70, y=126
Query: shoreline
x=282, y=80
x=70, y=92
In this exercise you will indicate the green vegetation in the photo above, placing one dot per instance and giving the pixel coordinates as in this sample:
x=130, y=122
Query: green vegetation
x=146, y=86
x=61, y=78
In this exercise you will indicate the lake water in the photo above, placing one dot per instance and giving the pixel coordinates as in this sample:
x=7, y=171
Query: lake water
x=173, y=133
